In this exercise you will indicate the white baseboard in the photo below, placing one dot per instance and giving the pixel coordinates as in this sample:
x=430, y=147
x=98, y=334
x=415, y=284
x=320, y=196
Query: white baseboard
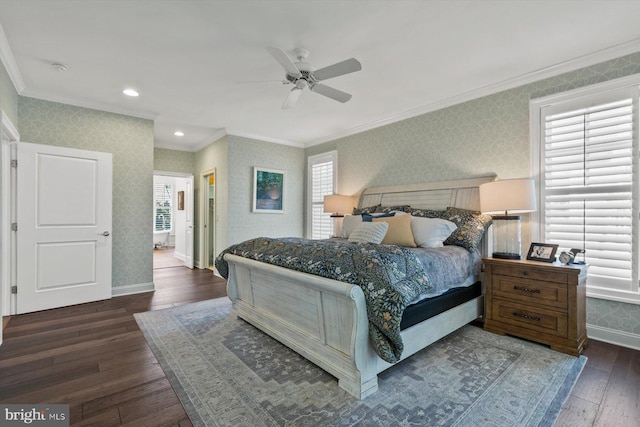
x=612, y=336
x=136, y=288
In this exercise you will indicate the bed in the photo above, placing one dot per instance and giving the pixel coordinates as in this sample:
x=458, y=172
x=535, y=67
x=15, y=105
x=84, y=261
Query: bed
x=326, y=321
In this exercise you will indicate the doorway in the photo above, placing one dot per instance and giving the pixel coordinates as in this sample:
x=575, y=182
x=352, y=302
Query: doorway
x=208, y=229
x=172, y=220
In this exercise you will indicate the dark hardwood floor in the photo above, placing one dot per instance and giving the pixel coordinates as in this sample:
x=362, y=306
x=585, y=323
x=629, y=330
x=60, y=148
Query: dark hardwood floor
x=94, y=358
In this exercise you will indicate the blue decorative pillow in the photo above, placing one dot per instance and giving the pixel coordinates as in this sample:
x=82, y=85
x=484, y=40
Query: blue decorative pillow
x=399, y=208
x=369, y=217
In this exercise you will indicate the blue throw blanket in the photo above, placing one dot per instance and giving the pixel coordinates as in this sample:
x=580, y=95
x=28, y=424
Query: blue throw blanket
x=391, y=277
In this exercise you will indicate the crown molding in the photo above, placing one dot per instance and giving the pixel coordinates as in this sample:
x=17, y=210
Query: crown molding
x=554, y=70
x=9, y=61
x=210, y=139
x=99, y=106
x=265, y=138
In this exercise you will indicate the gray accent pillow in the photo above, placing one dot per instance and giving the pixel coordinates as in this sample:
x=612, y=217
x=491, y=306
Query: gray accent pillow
x=369, y=232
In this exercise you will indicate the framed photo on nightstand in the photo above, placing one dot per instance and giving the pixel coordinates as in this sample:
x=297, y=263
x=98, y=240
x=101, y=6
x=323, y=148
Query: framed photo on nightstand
x=542, y=252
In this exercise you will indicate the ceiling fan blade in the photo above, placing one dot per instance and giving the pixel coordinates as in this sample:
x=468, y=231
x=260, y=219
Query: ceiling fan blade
x=292, y=98
x=284, y=60
x=262, y=81
x=345, y=67
x=330, y=92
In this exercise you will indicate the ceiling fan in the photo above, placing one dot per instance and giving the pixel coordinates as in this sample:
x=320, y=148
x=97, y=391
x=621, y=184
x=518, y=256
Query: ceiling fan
x=302, y=75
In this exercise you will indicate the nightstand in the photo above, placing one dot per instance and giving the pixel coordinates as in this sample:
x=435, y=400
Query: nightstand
x=538, y=301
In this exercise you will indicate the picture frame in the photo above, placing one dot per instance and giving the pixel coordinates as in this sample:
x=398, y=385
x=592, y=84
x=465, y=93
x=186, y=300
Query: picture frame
x=180, y=200
x=268, y=190
x=542, y=252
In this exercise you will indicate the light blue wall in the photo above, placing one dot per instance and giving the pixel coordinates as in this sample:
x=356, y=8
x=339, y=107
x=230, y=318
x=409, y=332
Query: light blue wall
x=489, y=135
x=130, y=140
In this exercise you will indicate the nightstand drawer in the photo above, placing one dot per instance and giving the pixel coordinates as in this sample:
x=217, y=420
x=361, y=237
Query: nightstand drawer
x=526, y=272
x=533, y=318
x=528, y=291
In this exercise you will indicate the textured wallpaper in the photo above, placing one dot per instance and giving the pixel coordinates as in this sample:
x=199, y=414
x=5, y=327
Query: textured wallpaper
x=131, y=142
x=166, y=160
x=244, y=153
x=488, y=135
x=8, y=96
x=214, y=156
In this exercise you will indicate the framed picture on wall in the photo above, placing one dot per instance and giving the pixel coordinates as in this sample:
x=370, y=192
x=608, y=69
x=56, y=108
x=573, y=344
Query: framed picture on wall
x=268, y=190
x=180, y=200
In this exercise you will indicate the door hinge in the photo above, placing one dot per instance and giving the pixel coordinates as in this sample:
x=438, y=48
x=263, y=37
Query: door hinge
x=14, y=163
x=14, y=289
x=14, y=226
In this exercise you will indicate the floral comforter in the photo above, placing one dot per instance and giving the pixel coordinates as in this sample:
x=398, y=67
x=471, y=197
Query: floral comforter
x=391, y=277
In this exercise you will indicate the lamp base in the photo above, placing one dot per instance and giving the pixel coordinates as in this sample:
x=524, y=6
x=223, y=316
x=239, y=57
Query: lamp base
x=506, y=237
x=506, y=255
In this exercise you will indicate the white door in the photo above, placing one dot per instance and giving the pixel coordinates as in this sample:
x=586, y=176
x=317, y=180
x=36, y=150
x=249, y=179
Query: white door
x=188, y=206
x=64, y=226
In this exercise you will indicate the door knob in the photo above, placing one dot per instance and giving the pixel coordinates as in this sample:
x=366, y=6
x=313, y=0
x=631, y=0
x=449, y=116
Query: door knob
x=105, y=234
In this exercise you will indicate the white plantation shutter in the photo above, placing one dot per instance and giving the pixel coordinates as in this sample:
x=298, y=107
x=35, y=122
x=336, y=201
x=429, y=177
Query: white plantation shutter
x=162, y=193
x=322, y=182
x=588, y=180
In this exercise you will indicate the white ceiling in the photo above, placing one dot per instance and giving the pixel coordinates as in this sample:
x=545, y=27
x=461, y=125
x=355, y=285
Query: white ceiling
x=188, y=58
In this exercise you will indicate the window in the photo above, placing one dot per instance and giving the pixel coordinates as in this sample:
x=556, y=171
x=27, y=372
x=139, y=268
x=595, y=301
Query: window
x=163, y=200
x=585, y=155
x=322, y=178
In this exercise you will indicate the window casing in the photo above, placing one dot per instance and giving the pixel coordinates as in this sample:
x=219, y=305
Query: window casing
x=322, y=176
x=585, y=161
x=162, y=206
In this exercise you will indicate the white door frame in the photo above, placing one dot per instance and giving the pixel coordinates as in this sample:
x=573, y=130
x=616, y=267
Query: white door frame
x=178, y=175
x=9, y=134
x=203, y=261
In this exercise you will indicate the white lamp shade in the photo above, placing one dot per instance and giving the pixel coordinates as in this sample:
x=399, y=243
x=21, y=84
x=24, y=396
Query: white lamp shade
x=510, y=196
x=339, y=204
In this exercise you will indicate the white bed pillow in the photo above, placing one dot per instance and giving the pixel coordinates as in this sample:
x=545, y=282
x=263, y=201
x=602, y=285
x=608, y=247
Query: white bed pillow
x=349, y=223
x=431, y=232
x=369, y=232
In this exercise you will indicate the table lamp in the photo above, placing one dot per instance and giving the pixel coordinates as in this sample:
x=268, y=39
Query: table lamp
x=338, y=205
x=502, y=199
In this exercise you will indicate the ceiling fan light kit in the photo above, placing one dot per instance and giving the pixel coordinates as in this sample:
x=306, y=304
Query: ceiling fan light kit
x=302, y=75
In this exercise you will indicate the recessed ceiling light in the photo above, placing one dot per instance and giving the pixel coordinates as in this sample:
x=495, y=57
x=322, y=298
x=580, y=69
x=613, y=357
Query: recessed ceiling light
x=130, y=92
x=178, y=133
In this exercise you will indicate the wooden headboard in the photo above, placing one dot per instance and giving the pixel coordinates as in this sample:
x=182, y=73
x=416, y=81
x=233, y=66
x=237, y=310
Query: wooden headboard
x=461, y=193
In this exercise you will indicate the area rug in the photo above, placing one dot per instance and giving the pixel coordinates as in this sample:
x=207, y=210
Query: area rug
x=228, y=373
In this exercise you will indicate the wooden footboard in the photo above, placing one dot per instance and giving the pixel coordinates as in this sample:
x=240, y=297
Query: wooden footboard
x=325, y=320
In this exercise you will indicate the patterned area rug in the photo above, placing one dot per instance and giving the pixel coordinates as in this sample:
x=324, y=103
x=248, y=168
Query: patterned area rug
x=228, y=373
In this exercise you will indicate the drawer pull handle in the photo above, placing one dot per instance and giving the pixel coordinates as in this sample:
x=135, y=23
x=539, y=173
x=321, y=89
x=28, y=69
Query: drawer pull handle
x=526, y=316
x=532, y=291
x=525, y=273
